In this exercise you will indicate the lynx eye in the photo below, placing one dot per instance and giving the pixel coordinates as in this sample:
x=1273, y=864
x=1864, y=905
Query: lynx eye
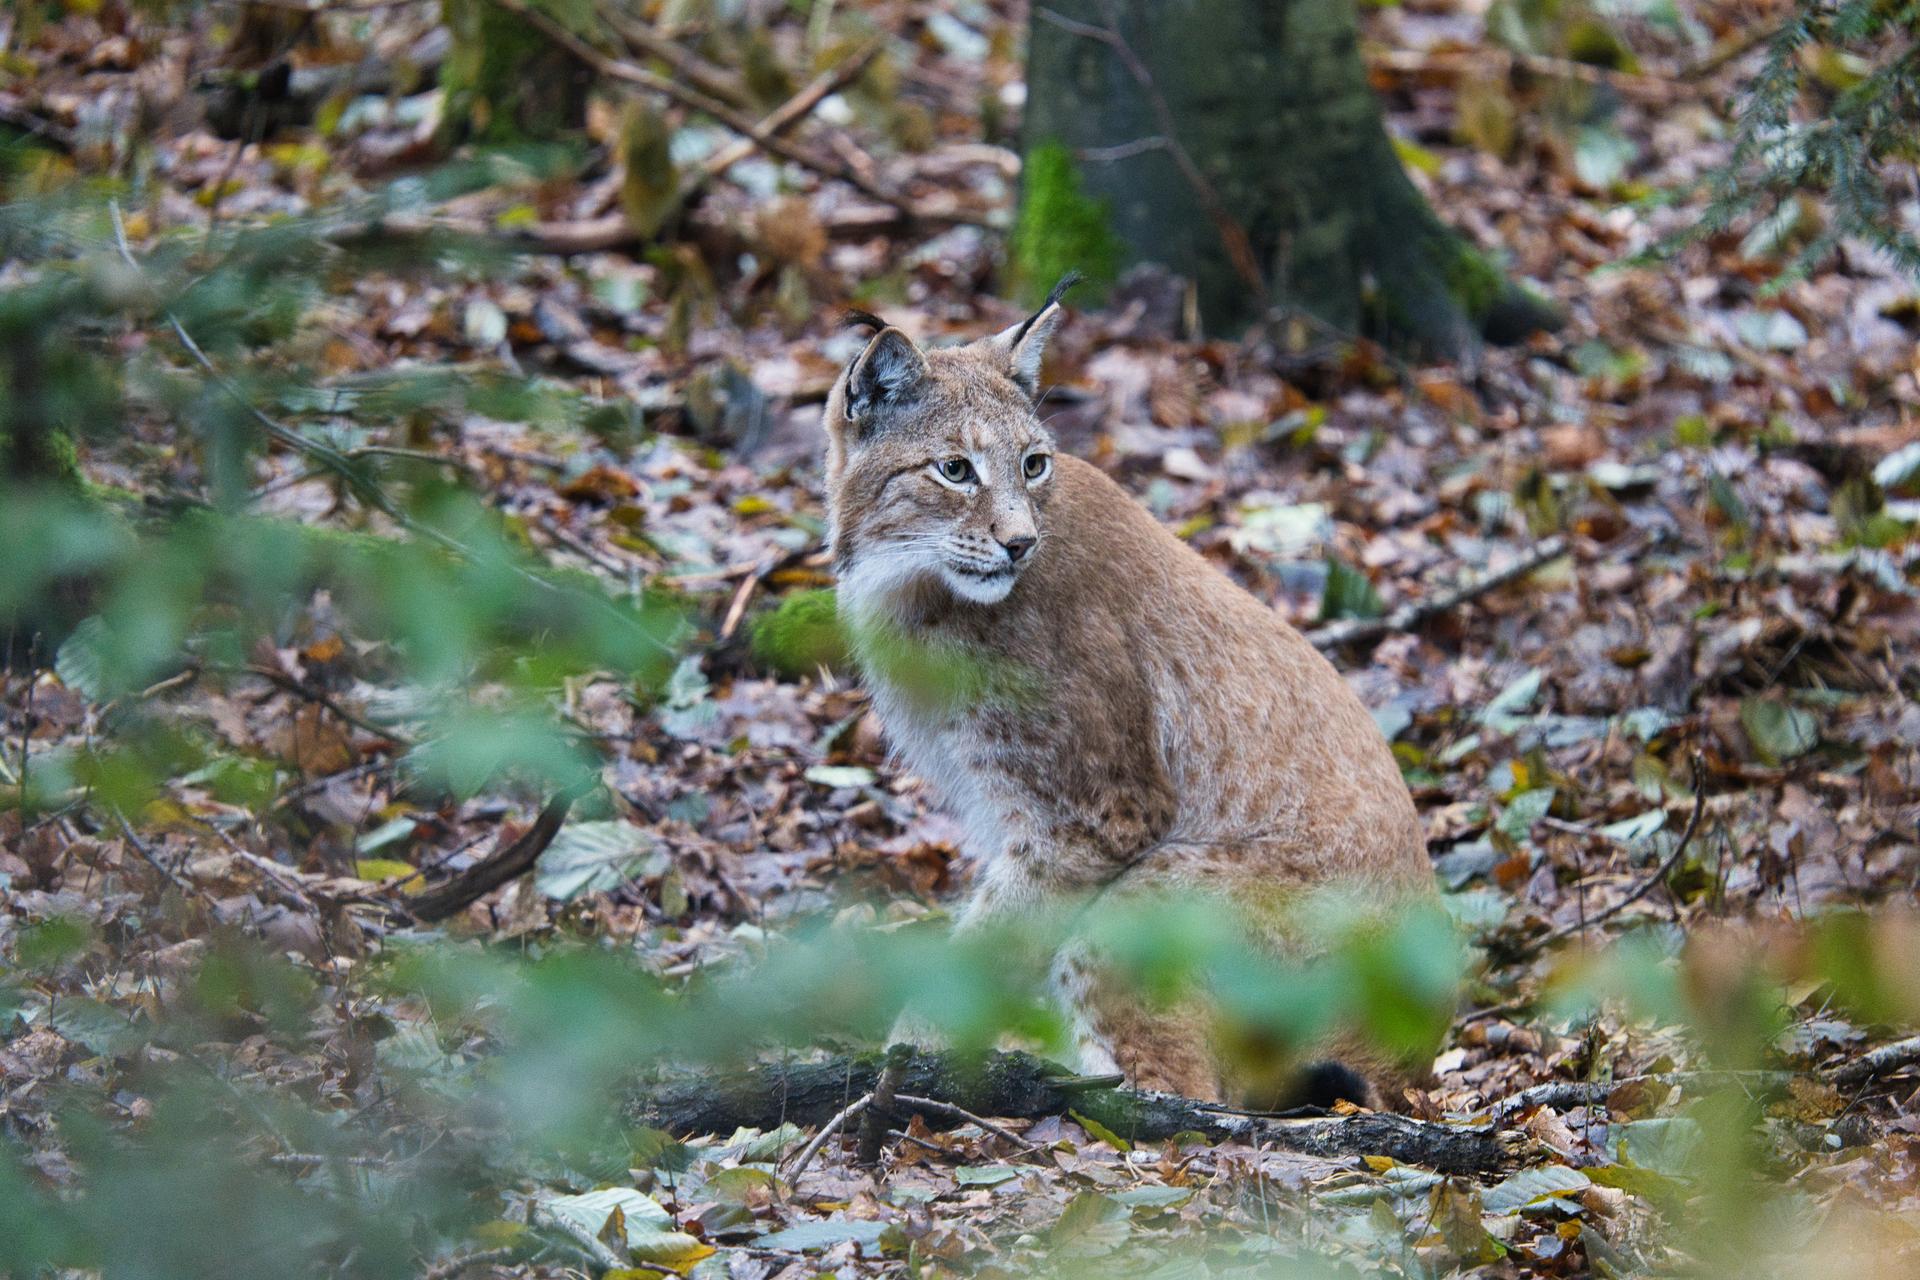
x=955, y=470
x=1037, y=465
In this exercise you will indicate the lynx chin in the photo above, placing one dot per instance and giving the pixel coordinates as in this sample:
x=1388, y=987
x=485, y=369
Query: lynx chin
x=1127, y=720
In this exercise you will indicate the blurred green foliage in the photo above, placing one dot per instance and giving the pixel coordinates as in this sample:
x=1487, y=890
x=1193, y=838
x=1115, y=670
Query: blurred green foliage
x=523, y=1066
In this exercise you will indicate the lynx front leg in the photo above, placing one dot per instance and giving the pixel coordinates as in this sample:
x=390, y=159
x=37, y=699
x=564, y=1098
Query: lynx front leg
x=1003, y=916
x=1114, y=1029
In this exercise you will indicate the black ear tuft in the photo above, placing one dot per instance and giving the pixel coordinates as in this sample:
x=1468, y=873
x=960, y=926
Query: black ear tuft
x=1054, y=295
x=887, y=374
x=853, y=318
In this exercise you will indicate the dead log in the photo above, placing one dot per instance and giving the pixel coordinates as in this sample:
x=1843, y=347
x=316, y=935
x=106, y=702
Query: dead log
x=1020, y=1086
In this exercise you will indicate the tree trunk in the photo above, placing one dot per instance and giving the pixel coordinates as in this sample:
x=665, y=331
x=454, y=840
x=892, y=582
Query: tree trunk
x=1269, y=102
x=504, y=81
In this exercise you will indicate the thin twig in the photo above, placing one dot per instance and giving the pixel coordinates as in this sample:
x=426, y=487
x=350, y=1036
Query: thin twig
x=57, y=136
x=828, y=166
x=319, y=697
x=147, y=855
x=334, y=460
x=827, y=1131
x=1411, y=615
x=961, y=1113
x=1641, y=890
x=688, y=65
x=782, y=118
x=459, y=1262
x=603, y=1255
x=1459, y=64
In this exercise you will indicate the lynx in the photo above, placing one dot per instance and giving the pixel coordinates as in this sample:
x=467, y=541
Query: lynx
x=1168, y=731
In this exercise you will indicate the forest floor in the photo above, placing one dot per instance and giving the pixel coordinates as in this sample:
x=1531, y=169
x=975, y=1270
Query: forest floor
x=1737, y=587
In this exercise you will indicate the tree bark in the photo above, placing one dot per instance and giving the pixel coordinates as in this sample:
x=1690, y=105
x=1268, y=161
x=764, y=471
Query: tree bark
x=1271, y=109
x=1018, y=1085
x=504, y=81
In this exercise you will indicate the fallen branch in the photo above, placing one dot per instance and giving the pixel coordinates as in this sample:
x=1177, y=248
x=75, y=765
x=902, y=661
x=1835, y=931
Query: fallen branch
x=1887, y=1058
x=1413, y=614
x=497, y=868
x=1458, y=65
x=1563, y=1094
x=1640, y=890
x=1020, y=1086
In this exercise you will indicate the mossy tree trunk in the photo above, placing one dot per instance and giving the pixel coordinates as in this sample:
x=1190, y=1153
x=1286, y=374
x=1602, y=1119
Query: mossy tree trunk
x=1269, y=100
x=505, y=81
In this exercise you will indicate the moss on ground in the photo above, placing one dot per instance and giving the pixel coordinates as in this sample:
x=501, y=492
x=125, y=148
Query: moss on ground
x=1060, y=228
x=800, y=636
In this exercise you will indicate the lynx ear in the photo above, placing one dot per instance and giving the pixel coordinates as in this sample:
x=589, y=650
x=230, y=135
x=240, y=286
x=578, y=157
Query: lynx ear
x=887, y=374
x=1024, y=344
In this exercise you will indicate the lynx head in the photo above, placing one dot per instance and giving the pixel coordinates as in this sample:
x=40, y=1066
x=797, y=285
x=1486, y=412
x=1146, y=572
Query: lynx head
x=938, y=471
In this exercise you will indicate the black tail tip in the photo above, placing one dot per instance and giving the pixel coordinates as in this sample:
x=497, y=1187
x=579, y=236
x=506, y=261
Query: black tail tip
x=1323, y=1084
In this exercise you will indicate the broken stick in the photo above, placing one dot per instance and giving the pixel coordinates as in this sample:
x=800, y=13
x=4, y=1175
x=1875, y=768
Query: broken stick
x=1411, y=615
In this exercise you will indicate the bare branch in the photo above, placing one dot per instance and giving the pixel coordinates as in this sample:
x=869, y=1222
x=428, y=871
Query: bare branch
x=1411, y=615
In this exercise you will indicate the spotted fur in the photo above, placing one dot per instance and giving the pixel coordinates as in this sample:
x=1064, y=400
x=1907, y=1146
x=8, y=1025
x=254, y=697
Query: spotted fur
x=1171, y=732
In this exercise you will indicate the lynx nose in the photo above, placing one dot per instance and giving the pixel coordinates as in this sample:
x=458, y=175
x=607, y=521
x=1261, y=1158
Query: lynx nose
x=1018, y=547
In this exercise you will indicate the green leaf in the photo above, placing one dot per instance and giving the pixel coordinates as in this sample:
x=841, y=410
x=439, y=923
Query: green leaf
x=1531, y=1185
x=749, y=1145
x=984, y=1175
x=1284, y=532
x=1506, y=712
x=1601, y=156
x=1476, y=910
x=736, y=1186
x=1092, y=1224
x=1396, y=1183
x=1522, y=811
x=1669, y=1145
x=1348, y=594
x=97, y=1025
x=1100, y=1132
x=595, y=857
x=381, y=836
x=1899, y=469
x=806, y=1236
x=1640, y=827
x=1779, y=731
x=591, y=1210
x=84, y=662
x=1153, y=1197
